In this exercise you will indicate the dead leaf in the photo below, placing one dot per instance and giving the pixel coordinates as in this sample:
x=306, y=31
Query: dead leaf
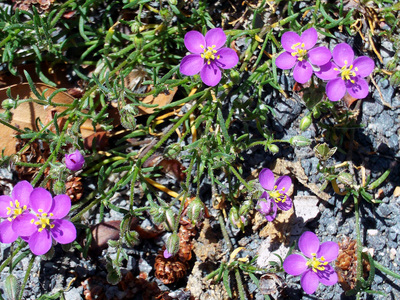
x=279, y=229
x=295, y=169
x=103, y=232
x=171, y=167
x=25, y=114
x=162, y=99
x=101, y=139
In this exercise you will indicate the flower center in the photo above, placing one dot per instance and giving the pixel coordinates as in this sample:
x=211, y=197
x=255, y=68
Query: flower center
x=14, y=210
x=300, y=52
x=317, y=264
x=43, y=220
x=209, y=53
x=346, y=72
x=278, y=196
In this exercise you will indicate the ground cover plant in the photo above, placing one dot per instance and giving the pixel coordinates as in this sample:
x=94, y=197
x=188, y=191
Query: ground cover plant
x=199, y=150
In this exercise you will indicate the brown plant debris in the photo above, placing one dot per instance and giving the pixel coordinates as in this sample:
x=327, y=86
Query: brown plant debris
x=346, y=264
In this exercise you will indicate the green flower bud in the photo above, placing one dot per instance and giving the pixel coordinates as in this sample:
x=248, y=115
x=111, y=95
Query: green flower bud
x=173, y=244
x=128, y=116
x=234, y=216
x=135, y=27
x=305, y=122
x=316, y=113
x=195, y=211
x=132, y=238
x=113, y=243
x=170, y=220
x=235, y=76
x=172, y=151
x=11, y=287
x=158, y=214
x=299, y=141
x=8, y=103
x=59, y=187
x=6, y=116
x=273, y=148
x=245, y=207
x=173, y=2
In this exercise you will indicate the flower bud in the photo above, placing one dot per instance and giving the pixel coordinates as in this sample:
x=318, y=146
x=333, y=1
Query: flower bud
x=132, y=238
x=135, y=27
x=59, y=187
x=273, y=148
x=234, y=217
x=299, y=141
x=170, y=220
x=172, y=244
x=158, y=214
x=6, y=116
x=8, y=103
x=195, y=210
x=245, y=207
x=173, y=2
x=316, y=113
x=305, y=122
x=172, y=151
x=128, y=116
x=11, y=287
x=74, y=161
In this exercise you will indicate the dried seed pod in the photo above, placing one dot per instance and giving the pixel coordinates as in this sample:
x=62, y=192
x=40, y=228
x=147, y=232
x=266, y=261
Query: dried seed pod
x=169, y=270
x=186, y=233
x=346, y=264
x=74, y=189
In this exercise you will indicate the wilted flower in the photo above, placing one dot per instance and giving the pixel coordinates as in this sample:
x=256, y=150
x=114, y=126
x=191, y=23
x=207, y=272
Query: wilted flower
x=207, y=56
x=315, y=269
x=13, y=208
x=74, y=161
x=167, y=254
x=267, y=207
x=346, y=73
x=276, y=190
x=300, y=55
x=46, y=222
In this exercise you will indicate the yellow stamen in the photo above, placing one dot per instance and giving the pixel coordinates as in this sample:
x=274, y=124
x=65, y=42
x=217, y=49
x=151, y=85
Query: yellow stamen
x=317, y=264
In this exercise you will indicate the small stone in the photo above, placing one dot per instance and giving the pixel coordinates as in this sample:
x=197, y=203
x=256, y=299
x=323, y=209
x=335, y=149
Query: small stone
x=392, y=253
x=372, y=232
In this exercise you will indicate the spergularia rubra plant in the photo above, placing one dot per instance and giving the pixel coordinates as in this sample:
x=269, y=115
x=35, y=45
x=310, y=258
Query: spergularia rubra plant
x=207, y=56
x=301, y=54
x=314, y=268
x=346, y=73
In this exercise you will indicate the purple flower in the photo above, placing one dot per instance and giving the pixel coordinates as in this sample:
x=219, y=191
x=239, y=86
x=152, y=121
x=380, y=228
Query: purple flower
x=315, y=269
x=47, y=222
x=346, y=73
x=276, y=191
x=13, y=208
x=74, y=161
x=300, y=55
x=207, y=56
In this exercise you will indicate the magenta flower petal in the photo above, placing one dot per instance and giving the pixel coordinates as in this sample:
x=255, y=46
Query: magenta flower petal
x=23, y=224
x=283, y=183
x=64, y=231
x=191, y=64
x=308, y=243
x=227, y=58
x=363, y=66
x=328, y=276
x=295, y=264
x=327, y=71
x=21, y=192
x=7, y=234
x=40, y=242
x=289, y=39
x=61, y=206
x=210, y=74
x=267, y=179
x=4, y=203
x=167, y=254
x=285, y=61
x=335, y=89
x=309, y=37
x=302, y=71
x=193, y=40
x=285, y=205
x=272, y=215
x=215, y=37
x=343, y=54
x=329, y=250
x=309, y=282
x=319, y=56
x=358, y=89
x=40, y=200
x=264, y=206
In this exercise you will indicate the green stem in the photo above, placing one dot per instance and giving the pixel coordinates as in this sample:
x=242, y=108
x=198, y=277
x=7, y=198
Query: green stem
x=12, y=127
x=359, y=244
x=7, y=261
x=28, y=272
x=240, y=177
x=385, y=270
x=224, y=232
